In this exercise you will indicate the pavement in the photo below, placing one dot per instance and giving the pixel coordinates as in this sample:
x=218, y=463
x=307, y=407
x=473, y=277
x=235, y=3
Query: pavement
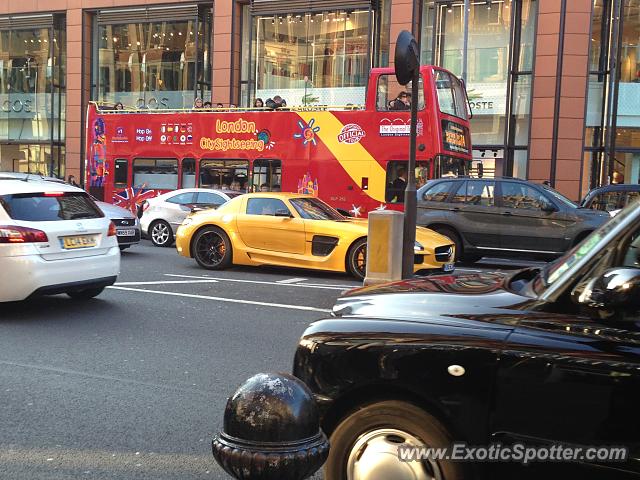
x=132, y=384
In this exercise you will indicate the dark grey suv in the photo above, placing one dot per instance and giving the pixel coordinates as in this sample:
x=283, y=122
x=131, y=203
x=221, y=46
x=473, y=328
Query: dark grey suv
x=504, y=216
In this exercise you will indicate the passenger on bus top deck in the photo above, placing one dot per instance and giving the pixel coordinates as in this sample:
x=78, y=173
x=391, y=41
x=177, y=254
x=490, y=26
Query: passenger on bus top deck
x=264, y=187
x=402, y=102
x=197, y=103
x=119, y=106
x=258, y=103
x=219, y=105
x=207, y=104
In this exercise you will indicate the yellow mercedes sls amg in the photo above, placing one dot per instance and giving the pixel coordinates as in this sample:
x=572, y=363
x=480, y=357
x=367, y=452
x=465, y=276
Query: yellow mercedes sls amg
x=292, y=230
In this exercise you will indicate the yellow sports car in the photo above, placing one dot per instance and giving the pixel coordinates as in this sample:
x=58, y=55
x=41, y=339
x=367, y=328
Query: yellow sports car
x=292, y=230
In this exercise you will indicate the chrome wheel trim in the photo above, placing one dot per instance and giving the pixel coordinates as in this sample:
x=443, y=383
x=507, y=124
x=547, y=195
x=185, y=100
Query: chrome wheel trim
x=374, y=456
x=160, y=233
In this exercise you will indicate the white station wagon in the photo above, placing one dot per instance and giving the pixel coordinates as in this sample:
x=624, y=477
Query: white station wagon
x=53, y=239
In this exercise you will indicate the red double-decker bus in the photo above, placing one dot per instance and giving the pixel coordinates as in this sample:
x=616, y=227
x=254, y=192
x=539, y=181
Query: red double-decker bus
x=354, y=157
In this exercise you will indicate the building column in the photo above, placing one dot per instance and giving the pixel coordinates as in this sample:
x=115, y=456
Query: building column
x=221, y=60
x=77, y=68
x=401, y=19
x=558, y=121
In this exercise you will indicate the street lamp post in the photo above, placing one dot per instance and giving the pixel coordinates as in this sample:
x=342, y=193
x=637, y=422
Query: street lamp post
x=407, y=69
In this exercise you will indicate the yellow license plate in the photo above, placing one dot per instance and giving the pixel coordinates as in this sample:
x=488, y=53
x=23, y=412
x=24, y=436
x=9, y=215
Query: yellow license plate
x=78, y=241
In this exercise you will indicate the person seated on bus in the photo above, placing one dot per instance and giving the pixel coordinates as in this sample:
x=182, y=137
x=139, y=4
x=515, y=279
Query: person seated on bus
x=264, y=187
x=258, y=103
x=119, y=106
x=207, y=104
x=219, y=105
x=197, y=103
x=402, y=102
x=233, y=105
x=276, y=188
x=399, y=184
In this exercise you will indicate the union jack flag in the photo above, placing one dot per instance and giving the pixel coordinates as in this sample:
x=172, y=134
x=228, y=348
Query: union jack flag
x=131, y=197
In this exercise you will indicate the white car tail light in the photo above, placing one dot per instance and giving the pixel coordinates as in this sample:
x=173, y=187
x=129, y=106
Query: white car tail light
x=16, y=234
x=112, y=230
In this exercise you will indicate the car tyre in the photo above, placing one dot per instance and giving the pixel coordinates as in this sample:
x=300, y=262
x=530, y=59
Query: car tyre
x=85, y=294
x=357, y=259
x=124, y=247
x=161, y=234
x=212, y=249
x=365, y=443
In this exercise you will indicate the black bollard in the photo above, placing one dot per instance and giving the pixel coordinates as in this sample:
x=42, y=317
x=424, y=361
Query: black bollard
x=271, y=431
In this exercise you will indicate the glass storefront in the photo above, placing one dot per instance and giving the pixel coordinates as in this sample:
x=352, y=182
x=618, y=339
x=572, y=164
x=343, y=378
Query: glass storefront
x=32, y=100
x=612, y=141
x=153, y=64
x=312, y=58
x=497, y=73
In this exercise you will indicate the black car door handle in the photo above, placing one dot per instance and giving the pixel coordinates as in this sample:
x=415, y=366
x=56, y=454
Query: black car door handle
x=455, y=209
x=506, y=214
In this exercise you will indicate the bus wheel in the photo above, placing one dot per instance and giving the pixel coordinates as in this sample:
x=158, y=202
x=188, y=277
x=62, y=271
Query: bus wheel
x=357, y=259
x=161, y=234
x=212, y=249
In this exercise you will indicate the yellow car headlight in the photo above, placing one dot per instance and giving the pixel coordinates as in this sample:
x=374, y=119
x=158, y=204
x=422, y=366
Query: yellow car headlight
x=187, y=221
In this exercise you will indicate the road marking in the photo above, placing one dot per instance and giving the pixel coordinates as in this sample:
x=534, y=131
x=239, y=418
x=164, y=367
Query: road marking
x=166, y=282
x=292, y=280
x=302, y=285
x=223, y=299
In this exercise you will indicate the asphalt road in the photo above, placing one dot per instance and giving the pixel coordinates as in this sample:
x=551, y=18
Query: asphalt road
x=132, y=385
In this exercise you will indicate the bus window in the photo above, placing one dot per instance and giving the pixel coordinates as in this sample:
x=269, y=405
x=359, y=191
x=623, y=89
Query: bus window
x=224, y=174
x=121, y=173
x=451, y=96
x=155, y=173
x=397, y=179
x=267, y=175
x=188, y=177
x=392, y=96
x=447, y=166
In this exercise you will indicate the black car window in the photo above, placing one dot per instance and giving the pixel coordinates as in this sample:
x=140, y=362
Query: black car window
x=209, y=198
x=437, y=193
x=521, y=196
x=265, y=206
x=608, y=201
x=182, y=198
x=632, y=197
x=474, y=192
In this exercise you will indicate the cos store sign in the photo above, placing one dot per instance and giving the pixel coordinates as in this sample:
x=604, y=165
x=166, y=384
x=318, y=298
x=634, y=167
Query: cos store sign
x=16, y=106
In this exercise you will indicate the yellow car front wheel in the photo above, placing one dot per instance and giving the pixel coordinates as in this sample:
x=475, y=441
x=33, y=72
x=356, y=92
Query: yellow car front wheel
x=212, y=248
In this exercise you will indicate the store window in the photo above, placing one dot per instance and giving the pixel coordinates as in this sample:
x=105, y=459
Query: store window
x=319, y=58
x=612, y=140
x=497, y=74
x=152, y=64
x=225, y=175
x=155, y=173
x=32, y=94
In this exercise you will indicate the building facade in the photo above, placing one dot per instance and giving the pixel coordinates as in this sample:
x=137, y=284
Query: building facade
x=554, y=85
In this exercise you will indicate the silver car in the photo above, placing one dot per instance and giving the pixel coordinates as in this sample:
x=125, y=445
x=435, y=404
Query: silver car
x=162, y=215
x=127, y=224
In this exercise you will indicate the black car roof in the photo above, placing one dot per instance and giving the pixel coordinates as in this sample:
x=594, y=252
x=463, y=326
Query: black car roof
x=616, y=187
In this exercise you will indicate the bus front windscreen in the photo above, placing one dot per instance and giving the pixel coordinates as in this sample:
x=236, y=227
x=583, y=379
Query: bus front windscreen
x=451, y=95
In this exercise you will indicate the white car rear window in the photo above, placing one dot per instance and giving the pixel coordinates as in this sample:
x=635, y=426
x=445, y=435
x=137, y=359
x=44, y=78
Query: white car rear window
x=47, y=207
